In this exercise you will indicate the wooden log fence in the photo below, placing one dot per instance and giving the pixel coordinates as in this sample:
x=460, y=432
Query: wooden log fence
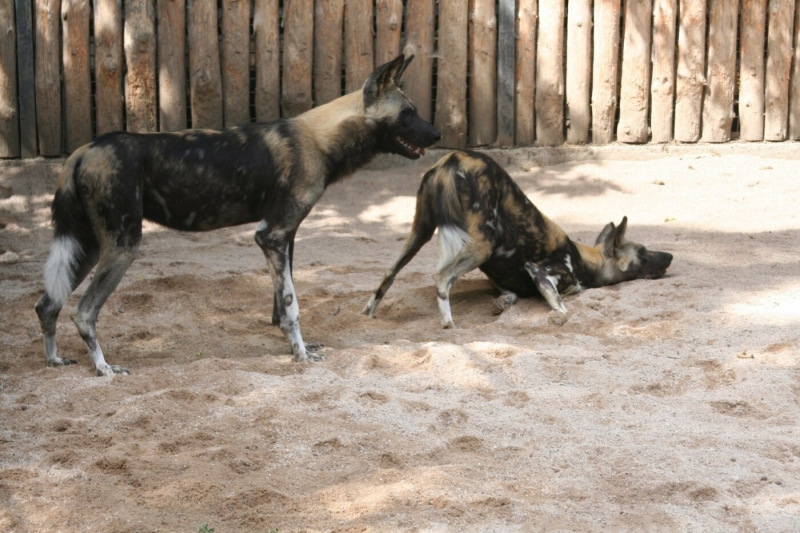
x=486, y=72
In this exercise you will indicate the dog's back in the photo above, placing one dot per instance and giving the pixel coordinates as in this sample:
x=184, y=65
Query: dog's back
x=472, y=199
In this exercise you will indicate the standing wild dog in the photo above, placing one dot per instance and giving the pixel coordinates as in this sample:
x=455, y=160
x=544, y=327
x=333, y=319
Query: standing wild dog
x=200, y=180
x=485, y=221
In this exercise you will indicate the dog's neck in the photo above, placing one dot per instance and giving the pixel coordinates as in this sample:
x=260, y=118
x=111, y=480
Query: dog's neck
x=589, y=263
x=342, y=133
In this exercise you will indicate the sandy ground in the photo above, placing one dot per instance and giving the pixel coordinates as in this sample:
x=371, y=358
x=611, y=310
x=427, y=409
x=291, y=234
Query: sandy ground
x=667, y=405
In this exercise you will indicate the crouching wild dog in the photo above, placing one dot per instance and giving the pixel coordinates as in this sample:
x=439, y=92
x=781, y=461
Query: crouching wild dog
x=200, y=180
x=485, y=221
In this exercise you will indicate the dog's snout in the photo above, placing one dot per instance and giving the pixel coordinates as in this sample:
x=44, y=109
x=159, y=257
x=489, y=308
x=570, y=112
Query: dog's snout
x=437, y=135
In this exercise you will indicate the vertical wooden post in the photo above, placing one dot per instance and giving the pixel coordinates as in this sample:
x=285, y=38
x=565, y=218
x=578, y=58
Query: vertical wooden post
x=751, y=70
x=389, y=20
x=25, y=79
x=451, y=90
x=205, y=83
x=418, y=78
x=506, y=44
x=779, y=53
x=604, y=69
x=236, y=61
x=298, y=53
x=794, y=88
x=358, y=55
x=691, y=67
x=9, y=115
x=524, y=117
x=579, y=69
x=721, y=70
x=662, y=88
x=77, y=83
x=108, y=64
x=483, y=80
x=140, y=52
x=266, y=24
x=635, y=89
x=171, y=64
x=328, y=50
x=550, y=74
x=48, y=75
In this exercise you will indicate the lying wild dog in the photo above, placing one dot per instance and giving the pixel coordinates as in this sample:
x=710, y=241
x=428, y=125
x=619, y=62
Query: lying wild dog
x=485, y=221
x=200, y=180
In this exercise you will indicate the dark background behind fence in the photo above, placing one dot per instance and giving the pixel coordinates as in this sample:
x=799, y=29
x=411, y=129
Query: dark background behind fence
x=487, y=72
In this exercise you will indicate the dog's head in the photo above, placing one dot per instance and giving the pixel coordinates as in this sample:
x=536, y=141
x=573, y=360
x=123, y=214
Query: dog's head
x=626, y=260
x=400, y=129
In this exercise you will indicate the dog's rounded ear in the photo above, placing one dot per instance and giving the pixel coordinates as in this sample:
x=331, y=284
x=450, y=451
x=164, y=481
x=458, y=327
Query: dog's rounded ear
x=382, y=78
x=621, y=229
x=399, y=75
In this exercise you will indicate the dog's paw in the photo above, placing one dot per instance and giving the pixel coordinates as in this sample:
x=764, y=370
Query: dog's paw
x=503, y=302
x=61, y=361
x=110, y=370
x=448, y=325
x=556, y=318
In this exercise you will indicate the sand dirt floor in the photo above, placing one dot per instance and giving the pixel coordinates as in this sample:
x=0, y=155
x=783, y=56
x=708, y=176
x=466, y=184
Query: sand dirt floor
x=666, y=405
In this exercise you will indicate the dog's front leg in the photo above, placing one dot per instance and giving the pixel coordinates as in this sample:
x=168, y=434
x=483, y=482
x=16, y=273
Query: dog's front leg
x=276, y=318
x=276, y=248
x=548, y=287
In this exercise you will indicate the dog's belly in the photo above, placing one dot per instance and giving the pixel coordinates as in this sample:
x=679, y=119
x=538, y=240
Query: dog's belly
x=510, y=275
x=193, y=212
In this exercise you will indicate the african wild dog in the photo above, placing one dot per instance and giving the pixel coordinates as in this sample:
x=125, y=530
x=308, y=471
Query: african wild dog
x=200, y=180
x=485, y=221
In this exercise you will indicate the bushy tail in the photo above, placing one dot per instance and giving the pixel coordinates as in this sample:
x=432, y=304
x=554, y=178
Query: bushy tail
x=447, y=208
x=73, y=232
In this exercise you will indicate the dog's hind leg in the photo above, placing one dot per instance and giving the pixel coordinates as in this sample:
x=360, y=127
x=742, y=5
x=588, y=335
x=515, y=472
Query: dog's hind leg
x=421, y=233
x=548, y=287
x=113, y=265
x=62, y=282
x=471, y=256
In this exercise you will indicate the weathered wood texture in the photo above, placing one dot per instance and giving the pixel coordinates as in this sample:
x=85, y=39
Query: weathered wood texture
x=358, y=36
x=451, y=90
x=525, y=84
x=171, y=64
x=205, y=82
x=794, y=87
x=662, y=87
x=389, y=22
x=298, y=53
x=140, y=53
x=420, y=35
x=328, y=50
x=579, y=70
x=9, y=111
x=108, y=97
x=77, y=81
x=483, y=72
x=635, y=84
x=236, y=61
x=550, y=74
x=266, y=26
x=751, y=70
x=506, y=45
x=721, y=70
x=691, y=70
x=26, y=78
x=604, y=69
x=779, y=54
x=48, y=75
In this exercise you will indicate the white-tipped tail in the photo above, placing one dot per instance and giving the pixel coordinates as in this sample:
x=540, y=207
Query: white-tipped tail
x=59, y=269
x=452, y=240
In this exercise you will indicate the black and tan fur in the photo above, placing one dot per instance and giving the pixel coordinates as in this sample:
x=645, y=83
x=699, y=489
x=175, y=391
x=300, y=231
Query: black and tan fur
x=200, y=180
x=485, y=221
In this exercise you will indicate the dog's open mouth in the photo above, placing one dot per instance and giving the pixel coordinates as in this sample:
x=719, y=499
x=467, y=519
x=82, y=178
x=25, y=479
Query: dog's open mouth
x=411, y=148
